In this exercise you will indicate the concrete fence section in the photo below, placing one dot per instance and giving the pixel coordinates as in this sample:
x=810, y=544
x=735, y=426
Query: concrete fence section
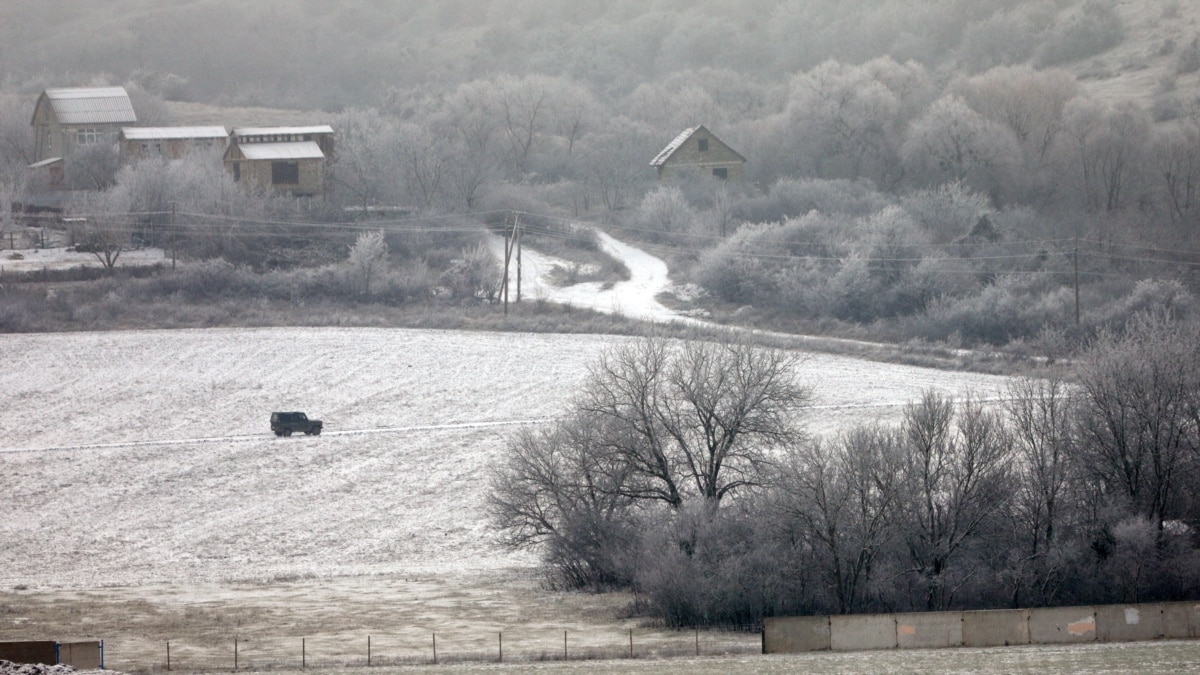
x=797, y=634
x=1058, y=625
x=996, y=628
x=87, y=655
x=1181, y=620
x=929, y=630
x=1129, y=623
x=864, y=631
x=985, y=628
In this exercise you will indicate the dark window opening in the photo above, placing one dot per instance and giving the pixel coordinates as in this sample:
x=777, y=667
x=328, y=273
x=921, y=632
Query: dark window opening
x=723, y=174
x=237, y=172
x=285, y=173
x=703, y=144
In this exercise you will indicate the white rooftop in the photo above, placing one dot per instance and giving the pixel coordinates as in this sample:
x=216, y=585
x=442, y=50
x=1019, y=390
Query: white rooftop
x=294, y=150
x=290, y=131
x=172, y=133
x=91, y=105
x=673, y=146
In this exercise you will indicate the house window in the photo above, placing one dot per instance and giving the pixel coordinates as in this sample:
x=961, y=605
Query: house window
x=721, y=173
x=88, y=136
x=703, y=144
x=285, y=173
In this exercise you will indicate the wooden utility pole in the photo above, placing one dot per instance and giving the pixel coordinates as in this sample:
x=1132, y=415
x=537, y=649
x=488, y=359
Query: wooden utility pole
x=512, y=240
x=517, y=227
x=172, y=236
x=1075, y=264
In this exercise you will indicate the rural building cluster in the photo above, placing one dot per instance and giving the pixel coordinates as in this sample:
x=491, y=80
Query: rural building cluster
x=289, y=160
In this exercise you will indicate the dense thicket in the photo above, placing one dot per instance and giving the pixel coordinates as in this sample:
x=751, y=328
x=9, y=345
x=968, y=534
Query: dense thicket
x=1056, y=494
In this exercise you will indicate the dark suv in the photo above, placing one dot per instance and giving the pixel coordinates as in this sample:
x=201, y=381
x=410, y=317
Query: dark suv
x=284, y=423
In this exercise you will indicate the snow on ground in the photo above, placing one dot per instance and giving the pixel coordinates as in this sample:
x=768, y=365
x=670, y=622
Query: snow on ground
x=634, y=298
x=145, y=456
x=37, y=259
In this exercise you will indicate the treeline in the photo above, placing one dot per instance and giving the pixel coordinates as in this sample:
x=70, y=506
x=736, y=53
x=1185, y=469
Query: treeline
x=308, y=54
x=681, y=471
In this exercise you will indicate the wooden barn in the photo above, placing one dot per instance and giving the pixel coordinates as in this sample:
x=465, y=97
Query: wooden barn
x=698, y=151
x=69, y=118
x=290, y=160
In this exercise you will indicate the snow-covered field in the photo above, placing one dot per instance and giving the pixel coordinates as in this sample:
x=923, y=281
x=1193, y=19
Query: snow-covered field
x=137, y=457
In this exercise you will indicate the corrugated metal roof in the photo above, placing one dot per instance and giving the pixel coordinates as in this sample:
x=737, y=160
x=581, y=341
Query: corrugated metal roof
x=172, y=133
x=91, y=105
x=672, y=147
x=296, y=150
x=46, y=162
x=279, y=131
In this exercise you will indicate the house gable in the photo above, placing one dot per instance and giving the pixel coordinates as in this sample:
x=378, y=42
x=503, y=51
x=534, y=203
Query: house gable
x=698, y=149
x=66, y=118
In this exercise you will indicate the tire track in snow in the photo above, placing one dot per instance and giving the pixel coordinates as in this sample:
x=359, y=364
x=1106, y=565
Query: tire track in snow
x=251, y=438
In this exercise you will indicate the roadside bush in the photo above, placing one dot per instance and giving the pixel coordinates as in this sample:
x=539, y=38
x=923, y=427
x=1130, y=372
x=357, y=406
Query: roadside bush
x=706, y=567
x=792, y=198
x=1002, y=312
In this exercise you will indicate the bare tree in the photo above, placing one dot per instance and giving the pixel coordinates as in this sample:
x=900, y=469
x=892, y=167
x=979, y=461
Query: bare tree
x=553, y=490
x=1138, y=426
x=956, y=476
x=699, y=419
x=845, y=494
x=1040, y=416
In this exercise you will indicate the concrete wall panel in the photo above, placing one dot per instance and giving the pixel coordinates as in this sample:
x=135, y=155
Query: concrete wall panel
x=865, y=631
x=1054, y=625
x=996, y=628
x=788, y=635
x=81, y=655
x=928, y=630
x=29, y=651
x=1129, y=623
x=1181, y=620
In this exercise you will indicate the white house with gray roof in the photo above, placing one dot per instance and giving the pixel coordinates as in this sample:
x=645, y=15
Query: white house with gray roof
x=66, y=119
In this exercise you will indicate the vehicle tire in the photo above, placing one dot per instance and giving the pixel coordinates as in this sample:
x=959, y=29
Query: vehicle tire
x=316, y=432
x=278, y=433
x=286, y=432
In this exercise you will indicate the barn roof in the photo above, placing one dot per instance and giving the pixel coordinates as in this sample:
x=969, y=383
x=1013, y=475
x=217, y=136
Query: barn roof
x=282, y=131
x=295, y=150
x=674, y=145
x=91, y=105
x=172, y=133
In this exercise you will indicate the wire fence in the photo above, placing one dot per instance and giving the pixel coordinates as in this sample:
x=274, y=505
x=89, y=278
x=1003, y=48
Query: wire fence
x=253, y=653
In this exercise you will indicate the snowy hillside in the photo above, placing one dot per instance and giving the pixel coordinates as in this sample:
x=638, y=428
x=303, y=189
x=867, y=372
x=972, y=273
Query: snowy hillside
x=140, y=457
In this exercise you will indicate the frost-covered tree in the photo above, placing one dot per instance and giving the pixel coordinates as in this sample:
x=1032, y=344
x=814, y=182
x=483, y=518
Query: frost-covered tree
x=367, y=259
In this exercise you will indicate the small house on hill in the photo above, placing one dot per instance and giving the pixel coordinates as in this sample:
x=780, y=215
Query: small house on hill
x=68, y=118
x=170, y=142
x=290, y=160
x=699, y=150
